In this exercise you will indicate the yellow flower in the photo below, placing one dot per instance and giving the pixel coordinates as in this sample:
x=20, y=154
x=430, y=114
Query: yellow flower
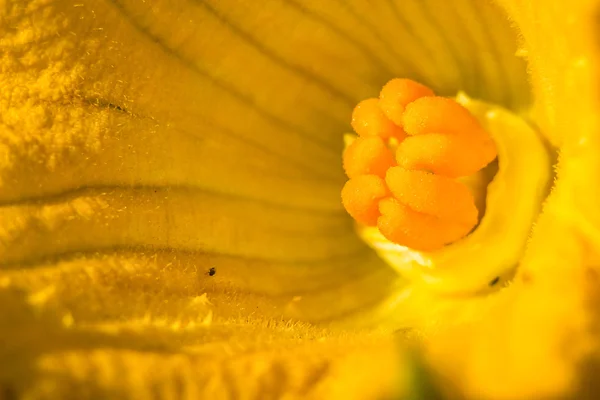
x=170, y=219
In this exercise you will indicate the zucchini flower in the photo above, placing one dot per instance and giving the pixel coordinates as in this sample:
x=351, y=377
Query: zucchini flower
x=341, y=199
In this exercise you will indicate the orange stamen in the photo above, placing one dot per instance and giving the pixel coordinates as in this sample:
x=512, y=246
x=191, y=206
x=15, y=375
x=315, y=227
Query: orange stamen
x=361, y=196
x=369, y=120
x=368, y=156
x=401, y=224
x=438, y=115
x=449, y=155
x=432, y=194
x=417, y=203
x=397, y=94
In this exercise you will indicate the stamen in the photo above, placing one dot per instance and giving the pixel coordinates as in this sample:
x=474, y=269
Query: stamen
x=368, y=156
x=418, y=204
x=397, y=94
x=445, y=139
x=445, y=154
x=361, y=196
x=431, y=194
x=400, y=224
x=369, y=120
x=439, y=115
x=415, y=219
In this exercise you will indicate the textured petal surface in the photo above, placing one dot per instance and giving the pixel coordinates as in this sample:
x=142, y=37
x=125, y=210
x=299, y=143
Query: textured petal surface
x=169, y=188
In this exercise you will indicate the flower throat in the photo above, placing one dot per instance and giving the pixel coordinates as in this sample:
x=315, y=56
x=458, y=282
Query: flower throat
x=431, y=180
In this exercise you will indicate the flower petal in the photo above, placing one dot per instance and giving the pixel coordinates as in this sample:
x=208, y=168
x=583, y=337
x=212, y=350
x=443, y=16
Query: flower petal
x=145, y=144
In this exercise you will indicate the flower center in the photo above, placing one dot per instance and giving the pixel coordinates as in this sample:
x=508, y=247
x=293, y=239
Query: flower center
x=420, y=174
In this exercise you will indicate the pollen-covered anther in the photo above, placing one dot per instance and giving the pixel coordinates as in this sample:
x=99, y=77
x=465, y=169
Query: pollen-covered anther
x=368, y=156
x=402, y=225
x=436, y=210
x=444, y=138
x=369, y=120
x=361, y=196
x=414, y=200
x=397, y=94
